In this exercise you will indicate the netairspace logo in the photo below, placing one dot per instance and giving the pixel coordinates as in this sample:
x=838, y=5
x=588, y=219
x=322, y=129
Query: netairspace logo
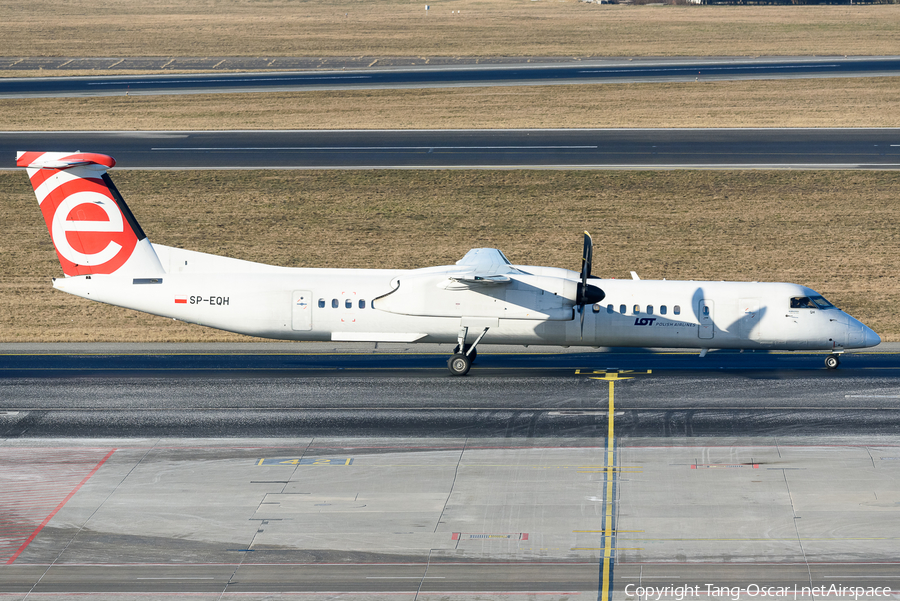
x=708, y=591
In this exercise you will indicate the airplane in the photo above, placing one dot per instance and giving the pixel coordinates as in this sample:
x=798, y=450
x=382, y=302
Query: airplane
x=107, y=257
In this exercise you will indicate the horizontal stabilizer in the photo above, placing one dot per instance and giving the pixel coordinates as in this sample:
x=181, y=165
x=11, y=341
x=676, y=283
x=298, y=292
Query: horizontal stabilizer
x=63, y=160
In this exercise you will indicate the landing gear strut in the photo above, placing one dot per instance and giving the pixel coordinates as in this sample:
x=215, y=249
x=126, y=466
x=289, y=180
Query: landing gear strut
x=461, y=361
x=832, y=361
x=467, y=350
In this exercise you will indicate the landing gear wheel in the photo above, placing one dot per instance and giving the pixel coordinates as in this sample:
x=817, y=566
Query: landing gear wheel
x=471, y=355
x=459, y=364
x=832, y=361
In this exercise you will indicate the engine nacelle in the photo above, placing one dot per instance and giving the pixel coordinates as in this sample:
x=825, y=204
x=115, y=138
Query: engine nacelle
x=523, y=296
x=565, y=289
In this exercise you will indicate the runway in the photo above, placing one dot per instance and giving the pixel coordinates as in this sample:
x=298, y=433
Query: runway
x=296, y=470
x=288, y=389
x=590, y=71
x=819, y=148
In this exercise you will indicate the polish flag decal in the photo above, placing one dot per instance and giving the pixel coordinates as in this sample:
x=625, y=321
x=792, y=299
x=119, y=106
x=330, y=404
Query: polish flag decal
x=181, y=300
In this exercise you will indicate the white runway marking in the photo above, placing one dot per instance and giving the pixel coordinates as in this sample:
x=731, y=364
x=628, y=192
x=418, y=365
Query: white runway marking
x=225, y=81
x=700, y=68
x=291, y=148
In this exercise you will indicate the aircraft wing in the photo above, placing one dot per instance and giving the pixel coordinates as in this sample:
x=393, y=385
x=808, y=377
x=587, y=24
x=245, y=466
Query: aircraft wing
x=488, y=266
x=486, y=280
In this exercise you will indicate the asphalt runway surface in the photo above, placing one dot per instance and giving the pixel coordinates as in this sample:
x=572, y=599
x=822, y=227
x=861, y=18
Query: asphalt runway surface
x=507, y=394
x=589, y=71
x=819, y=148
x=278, y=470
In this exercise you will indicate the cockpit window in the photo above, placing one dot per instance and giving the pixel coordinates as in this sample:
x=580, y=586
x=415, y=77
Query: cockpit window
x=821, y=302
x=810, y=302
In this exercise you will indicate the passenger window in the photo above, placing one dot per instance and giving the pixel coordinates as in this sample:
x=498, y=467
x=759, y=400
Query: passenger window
x=348, y=304
x=662, y=310
x=676, y=309
x=334, y=303
x=321, y=303
x=706, y=311
x=637, y=309
x=362, y=304
x=609, y=309
x=649, y=309
x=623, y=309
x=596, y=308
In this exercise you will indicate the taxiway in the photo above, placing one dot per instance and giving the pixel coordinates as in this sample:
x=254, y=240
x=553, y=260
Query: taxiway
x=450, y=74
x=678, y=148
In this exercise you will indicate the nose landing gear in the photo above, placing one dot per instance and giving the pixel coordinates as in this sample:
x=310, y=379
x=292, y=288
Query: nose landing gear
x=459, y=364
x=832, y=361
x=468, y=350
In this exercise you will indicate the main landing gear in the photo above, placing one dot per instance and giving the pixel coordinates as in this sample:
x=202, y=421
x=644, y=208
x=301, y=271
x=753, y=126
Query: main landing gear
x=464, y=354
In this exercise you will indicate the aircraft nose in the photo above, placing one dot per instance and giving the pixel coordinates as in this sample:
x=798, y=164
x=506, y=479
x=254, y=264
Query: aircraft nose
x=871, y=338
x=859, y=335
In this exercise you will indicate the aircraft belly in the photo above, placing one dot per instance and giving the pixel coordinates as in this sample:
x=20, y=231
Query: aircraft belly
x=401, y=328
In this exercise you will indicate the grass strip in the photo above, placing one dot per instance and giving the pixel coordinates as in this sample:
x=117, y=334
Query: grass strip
x=394, y=28
x=850, y=102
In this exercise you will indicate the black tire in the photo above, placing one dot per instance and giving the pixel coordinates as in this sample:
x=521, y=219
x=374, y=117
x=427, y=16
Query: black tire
x=471, y=355
x=459, y=364
x=832, y=361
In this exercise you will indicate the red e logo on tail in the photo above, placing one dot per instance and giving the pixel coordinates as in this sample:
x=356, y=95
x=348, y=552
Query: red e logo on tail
x=87, y=226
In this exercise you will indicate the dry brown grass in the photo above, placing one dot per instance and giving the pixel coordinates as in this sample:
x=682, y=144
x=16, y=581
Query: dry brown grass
x=402, y=28
x=834, y=231
x=852, y=102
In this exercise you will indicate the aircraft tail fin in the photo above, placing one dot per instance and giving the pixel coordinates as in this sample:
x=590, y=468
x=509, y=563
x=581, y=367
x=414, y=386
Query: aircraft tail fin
x=92, y=228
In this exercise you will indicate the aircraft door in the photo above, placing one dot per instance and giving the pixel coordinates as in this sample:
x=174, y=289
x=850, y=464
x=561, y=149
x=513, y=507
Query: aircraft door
x=706, y=329
x=301, y=311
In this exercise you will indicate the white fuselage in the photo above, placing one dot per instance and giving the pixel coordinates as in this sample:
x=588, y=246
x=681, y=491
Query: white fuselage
x=427, y=305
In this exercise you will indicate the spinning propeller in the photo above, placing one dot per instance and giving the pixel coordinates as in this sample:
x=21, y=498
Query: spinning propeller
x=587, y=294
